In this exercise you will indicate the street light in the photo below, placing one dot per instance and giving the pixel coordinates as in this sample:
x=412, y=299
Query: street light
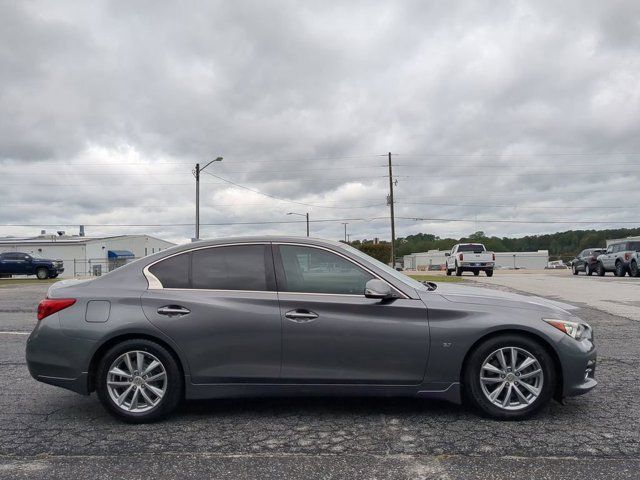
x=196, y=173
x=306, y=215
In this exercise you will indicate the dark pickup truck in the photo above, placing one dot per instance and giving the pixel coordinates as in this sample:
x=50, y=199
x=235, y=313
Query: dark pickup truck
x=17, y=263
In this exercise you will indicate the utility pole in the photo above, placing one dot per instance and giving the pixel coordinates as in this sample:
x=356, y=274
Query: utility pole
x=345, y=231
x=196, y=173
x=393, y=223
x=306, y=215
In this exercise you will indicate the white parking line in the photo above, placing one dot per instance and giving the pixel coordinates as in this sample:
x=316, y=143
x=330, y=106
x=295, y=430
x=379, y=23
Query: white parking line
x=14, y=333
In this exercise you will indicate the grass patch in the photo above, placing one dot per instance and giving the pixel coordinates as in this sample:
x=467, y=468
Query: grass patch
x=435, y=278
x=5, y=282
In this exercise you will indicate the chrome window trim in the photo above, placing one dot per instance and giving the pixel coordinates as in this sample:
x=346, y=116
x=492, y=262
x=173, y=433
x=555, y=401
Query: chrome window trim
x=156, y=284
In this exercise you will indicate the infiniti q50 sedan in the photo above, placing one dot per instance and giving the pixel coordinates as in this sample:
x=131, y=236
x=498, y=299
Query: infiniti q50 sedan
x=290, y=316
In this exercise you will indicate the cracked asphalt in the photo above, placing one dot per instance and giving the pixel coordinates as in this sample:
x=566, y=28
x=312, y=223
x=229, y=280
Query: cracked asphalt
x=47, y=432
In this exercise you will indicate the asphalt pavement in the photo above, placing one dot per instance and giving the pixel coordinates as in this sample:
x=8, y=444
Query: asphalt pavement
x=47, y=432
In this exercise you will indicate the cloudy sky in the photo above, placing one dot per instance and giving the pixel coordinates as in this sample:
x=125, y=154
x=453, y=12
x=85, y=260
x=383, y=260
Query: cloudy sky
x=505, y=117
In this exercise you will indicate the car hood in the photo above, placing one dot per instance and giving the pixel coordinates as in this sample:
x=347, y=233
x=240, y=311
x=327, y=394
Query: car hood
x=486, y=296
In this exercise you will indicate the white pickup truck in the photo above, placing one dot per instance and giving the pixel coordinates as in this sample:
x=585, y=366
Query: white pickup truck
x=470, y=257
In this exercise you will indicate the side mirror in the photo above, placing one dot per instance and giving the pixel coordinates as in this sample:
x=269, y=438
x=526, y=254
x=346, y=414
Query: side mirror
x=447, y=254
x=378, y=289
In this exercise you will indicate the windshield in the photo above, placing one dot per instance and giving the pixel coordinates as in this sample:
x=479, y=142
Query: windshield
x=386, y=268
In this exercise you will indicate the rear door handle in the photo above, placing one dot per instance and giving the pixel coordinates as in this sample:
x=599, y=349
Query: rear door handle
x=173, y=311
x=301, y=316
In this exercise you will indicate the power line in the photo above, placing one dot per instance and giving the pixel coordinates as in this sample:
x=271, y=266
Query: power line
x=516, y=221
x=542, y=207
x=268, y=194
x=516, y=155
x=264, y=222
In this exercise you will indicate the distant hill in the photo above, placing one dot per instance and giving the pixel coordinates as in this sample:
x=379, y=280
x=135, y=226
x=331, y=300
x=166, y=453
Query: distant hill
x=560, y=245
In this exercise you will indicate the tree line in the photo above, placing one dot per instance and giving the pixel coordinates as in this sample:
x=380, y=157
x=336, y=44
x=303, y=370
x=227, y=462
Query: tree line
x=561, y=245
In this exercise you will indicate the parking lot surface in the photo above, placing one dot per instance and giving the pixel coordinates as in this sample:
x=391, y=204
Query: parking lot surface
x=47, y=432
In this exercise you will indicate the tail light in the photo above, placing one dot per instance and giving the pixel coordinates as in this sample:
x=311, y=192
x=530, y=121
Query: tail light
x=49, y=306
x=494, y=257
x=627, y=256
x=461, y=256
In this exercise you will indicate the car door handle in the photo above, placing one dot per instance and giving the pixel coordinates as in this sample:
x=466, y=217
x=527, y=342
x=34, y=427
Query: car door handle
x=301, y=316
x=173, y=311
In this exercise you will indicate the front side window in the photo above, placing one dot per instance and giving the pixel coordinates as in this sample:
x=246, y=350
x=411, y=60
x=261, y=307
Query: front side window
x=313, y=270
x=238, y=267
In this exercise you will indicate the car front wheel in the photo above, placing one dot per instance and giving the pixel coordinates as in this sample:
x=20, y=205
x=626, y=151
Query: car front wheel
x=575, y=270
x=600, y=269
x=619, y=271
x=139, y=381
x=589, y=270
x=509, y=377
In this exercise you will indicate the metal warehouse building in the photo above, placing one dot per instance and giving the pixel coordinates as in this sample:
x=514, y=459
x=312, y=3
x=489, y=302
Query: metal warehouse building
x=84, y=256
x=435, y=260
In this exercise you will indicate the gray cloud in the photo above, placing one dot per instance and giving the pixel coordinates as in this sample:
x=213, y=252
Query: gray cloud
x=299, y=97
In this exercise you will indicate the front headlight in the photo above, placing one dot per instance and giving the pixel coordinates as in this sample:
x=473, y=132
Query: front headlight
x=573, y=329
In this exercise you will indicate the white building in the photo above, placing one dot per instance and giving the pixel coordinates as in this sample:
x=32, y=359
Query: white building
x=86, y=255
x=435, y=260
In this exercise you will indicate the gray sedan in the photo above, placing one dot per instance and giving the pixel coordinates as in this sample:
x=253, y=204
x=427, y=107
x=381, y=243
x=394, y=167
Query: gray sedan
x=289, y=316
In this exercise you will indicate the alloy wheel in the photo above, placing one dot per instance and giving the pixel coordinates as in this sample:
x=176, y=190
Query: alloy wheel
x=136, y=381
x=511, y=378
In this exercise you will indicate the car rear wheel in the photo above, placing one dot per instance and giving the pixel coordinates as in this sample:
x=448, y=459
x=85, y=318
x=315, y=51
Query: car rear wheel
x=600, y=269
x=509, y=377
x=448, y=272
x=619, y=271
x=489, y=273
x=476, y=272
x=589, y=270
x=458, y=271
x=633, y=269
x=139, y=381
x=42, y=273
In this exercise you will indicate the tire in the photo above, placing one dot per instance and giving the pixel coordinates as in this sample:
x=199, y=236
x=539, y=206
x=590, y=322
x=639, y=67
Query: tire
x=589, y=270
x=42, y=273
x=633, y=269
x=543, y=382
x=600, y=269
x=575, y=270
x=476, y=272
x=489, y=273
x=620, y=271
x=458, y=271
x=171, y=384
x=448, y=272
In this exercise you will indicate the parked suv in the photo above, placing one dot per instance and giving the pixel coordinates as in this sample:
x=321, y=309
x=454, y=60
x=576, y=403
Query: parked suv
x=617, y=258
x=587, y=261
x=634, y=265
x=18, y=263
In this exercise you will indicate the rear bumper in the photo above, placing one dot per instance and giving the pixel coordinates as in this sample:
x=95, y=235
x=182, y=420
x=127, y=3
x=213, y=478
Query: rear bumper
x=476, y=265
x=57, y=359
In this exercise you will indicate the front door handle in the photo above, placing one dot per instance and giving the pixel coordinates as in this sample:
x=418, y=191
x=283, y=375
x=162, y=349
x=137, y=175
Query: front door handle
x=173, y=311
x=301, y=316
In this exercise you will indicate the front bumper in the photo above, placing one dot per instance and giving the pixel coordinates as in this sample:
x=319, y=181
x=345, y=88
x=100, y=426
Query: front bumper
x=58, y=359
x=578, y=367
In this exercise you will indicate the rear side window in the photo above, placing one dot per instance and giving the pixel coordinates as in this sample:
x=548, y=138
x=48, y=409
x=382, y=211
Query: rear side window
x=173, y=272
x=634, y=246
x=241, y=267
